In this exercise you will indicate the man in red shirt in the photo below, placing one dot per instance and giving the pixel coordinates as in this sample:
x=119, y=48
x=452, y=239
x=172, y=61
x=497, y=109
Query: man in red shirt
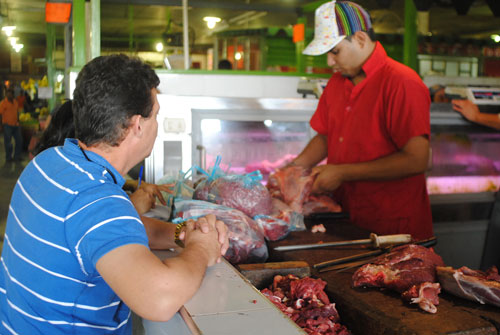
x=10, y=122
x=373, y=125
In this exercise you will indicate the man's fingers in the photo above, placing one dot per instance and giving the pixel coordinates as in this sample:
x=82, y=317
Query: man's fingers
x=203, y=225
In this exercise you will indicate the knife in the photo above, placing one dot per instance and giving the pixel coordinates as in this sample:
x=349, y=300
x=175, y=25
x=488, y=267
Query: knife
x=374, y=240
x=425, y=243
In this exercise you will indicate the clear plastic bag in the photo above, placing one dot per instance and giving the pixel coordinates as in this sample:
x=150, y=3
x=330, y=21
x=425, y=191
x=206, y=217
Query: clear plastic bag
x=242, y=192
x=246, y=238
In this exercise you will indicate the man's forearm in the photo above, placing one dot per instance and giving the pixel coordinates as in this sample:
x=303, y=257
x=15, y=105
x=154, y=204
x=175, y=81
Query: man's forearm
x=490, y=120
x=314, y=152
x=160, y=233
x=411, y=160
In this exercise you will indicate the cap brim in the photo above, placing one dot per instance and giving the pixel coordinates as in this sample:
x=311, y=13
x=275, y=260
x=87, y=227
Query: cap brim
x=321, y=46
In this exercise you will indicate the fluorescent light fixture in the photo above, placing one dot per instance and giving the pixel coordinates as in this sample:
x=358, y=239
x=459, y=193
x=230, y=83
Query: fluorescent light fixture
x=495, y=37
x=159, y=47
x=8, y=30
x=210, y=126
x=237, y=56
x=268, y=123
x=60, y=77
x=211, y=21
x=18, y=47
x=13, y=40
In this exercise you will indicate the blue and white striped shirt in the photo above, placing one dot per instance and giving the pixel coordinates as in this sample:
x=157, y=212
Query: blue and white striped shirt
x=65, y=213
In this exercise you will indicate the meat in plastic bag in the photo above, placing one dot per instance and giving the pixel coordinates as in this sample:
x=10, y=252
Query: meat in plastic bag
x=242, y=192
x=246, y=239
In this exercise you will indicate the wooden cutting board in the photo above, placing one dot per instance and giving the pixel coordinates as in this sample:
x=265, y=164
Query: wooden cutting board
x=373, y=311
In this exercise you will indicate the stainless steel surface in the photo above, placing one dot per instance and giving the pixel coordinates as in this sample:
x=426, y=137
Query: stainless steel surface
x=203, y=156
x=226, y=303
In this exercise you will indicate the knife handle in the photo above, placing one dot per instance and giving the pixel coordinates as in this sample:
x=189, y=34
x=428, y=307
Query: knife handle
x=380, y=241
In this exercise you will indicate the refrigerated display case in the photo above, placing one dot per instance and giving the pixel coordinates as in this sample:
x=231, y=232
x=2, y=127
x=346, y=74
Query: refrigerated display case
x=463, y=182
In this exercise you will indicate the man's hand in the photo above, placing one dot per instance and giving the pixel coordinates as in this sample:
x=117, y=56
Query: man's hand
x=144, y=198
x=202, y=234
x=467, y=108
x=204, y=224
x=328, y=178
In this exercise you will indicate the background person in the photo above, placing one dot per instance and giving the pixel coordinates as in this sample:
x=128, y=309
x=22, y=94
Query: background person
x=10, y=121
x=75, y=248
x=472, y=113
x=373, y=125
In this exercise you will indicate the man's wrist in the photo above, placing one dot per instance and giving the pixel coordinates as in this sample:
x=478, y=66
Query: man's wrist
x=178, y=230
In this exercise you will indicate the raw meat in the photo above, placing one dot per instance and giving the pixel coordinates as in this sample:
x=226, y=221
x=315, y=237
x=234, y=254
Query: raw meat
x=246, y=239
x=241, y=192
x=474, y=285
x=293, y=186
x=405, y=270
x=306, y=303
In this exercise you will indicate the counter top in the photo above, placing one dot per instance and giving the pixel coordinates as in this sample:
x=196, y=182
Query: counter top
x=373, y=311
x=226, y=303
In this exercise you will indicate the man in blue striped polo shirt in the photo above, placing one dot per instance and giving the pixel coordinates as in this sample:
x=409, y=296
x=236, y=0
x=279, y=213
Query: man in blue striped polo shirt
x=75, y=258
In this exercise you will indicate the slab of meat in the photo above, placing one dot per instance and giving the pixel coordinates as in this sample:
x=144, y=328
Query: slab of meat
x=409, y=270
x=474, y=285
x=293, y=186
x=241, y=192
x=305, y=302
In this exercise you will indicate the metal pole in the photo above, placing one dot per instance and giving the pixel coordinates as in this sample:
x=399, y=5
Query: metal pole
x=95, y=30
x=215, y=57
x=185, y=25
x=78, y=33
x=410, y=35
x=51, y=42
x=299, y=47
x=68, y=52
x=130, y=28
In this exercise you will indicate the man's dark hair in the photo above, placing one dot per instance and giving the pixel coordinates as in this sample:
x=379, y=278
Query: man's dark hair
x=370, y=32
x=60, y=127
x=224, y=64
x=109, y=91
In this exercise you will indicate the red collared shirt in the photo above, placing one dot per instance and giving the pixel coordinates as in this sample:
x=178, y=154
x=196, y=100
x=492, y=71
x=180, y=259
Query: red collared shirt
x=371, y=120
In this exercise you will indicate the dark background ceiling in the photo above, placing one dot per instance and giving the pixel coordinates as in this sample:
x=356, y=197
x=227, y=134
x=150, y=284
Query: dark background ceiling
x=151, y=18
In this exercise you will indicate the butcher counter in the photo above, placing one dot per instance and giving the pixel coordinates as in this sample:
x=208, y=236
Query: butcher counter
x=372, y=311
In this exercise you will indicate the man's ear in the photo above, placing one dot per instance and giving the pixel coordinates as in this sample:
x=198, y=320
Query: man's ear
x=361, y=37
x=135, y=124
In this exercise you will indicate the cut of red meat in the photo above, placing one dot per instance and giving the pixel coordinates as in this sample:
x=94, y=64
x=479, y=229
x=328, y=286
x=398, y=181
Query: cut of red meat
x=425, y=295
x=293, y=186
x=305, y=302
x=402, y=269
x=483, y=287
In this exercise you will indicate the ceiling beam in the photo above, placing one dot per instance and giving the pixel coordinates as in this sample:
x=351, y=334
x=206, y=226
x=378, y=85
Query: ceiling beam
x=232, y=5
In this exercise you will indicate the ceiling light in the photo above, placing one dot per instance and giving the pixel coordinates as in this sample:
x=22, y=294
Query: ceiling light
x=268, y=123
x=495, y=37
x=159, y=47
x=13, y=40
x=60, y=77
x=211, y=21
x=18, y=47
x=237, y=56
x=8, y=30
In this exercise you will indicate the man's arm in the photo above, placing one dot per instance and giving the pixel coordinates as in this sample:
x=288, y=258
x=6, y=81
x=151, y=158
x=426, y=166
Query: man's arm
x=160, y=233
x=156, y=290
x=471, y=112
x=314, y=152
x=410, y=160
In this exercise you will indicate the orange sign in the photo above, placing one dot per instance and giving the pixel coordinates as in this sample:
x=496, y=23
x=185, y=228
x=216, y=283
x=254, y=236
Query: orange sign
x=57, y=12
x=298, y=32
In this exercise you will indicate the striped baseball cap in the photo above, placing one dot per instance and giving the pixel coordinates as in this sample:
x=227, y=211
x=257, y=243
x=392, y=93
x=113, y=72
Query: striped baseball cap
x=333, y=22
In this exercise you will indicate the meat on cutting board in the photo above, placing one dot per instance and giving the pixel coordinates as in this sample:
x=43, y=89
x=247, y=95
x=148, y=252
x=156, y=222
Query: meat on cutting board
x=409, y=270
x=293, y=186
x=305, y=302
x=483, y=287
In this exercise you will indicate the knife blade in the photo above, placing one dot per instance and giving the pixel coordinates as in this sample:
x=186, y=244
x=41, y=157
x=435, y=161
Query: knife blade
x=374, y=239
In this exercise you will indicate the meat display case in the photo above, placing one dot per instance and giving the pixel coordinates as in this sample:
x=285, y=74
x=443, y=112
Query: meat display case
x=463, y=181
x=263, y=133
